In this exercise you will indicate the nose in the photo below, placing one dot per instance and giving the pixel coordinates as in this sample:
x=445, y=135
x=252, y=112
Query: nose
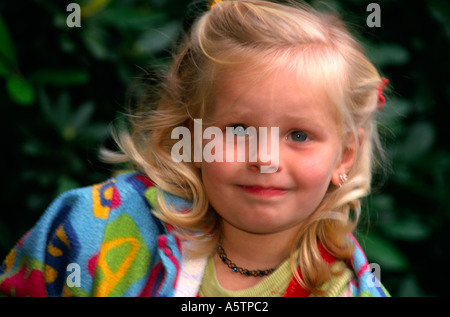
x=265, y=157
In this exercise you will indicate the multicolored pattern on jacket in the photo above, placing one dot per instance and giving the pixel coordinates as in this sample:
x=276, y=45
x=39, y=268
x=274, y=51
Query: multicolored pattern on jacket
x=106, y=238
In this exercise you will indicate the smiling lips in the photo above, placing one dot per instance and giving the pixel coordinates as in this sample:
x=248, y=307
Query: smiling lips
x=264, y=191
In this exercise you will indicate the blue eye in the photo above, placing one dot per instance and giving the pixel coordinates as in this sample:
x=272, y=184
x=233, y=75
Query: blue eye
x=298, y=136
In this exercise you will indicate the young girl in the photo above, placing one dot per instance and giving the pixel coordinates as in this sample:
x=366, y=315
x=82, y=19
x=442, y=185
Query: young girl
x=289, y=79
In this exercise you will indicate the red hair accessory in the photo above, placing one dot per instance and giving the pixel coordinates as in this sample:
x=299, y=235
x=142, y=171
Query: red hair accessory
x=380, y=90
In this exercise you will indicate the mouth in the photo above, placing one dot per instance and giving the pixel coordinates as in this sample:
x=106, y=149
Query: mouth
x=264, y=191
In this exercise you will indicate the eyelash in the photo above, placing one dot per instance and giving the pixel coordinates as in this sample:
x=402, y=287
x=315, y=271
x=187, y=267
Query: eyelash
x=304, y=135
x=235, y=126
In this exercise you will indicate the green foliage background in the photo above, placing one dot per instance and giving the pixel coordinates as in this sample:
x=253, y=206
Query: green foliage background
x=61, y=87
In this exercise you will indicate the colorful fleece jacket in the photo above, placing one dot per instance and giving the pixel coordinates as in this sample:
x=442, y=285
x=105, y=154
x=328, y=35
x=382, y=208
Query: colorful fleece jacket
x=103, y=240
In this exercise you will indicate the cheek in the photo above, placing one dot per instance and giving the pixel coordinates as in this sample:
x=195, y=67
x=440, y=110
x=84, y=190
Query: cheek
x=214, y=170
x=314, y=173
x=218, y=178
x=211, y=175
x=217, y=174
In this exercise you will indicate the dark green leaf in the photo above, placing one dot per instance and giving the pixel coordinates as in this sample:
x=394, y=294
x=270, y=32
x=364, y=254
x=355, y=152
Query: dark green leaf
x=156, y=40
x=95, y=41
x=418, y=142
x=409, y=287
x=383, y=252
x=20, y=90
x=82, y=115
x=410, y=229
x=66, y=183
x=60, y=77
x=131, y=18
x=440, y=10
x=386, y=54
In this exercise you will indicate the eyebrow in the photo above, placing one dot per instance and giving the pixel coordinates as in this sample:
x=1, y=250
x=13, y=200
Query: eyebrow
x=245, y=117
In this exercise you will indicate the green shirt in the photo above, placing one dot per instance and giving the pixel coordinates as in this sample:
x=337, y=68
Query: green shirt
x=275, y=284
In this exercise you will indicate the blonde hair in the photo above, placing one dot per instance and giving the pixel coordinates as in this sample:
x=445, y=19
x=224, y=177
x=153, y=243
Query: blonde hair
x=260, y=34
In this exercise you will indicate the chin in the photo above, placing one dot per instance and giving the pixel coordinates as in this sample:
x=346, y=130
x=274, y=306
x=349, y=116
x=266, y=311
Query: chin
x=266, y=226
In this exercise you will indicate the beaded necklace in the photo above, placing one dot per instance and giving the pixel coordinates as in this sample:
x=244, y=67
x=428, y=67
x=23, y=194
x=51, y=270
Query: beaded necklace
x=256, y=273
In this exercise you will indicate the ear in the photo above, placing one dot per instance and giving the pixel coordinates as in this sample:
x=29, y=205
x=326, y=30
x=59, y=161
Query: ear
x=350, y=151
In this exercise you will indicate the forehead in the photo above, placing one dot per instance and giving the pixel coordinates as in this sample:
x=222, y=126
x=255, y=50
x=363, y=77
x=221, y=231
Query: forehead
x=278, y=92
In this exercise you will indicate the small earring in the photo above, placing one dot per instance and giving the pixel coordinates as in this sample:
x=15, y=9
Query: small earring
x=343, y=178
